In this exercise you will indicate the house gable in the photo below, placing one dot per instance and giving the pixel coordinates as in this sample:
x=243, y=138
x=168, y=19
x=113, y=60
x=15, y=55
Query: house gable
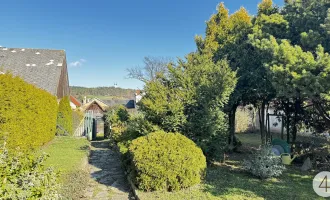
x=44, y=68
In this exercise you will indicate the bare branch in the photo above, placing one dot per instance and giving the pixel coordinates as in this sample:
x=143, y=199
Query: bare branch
x=153, y=66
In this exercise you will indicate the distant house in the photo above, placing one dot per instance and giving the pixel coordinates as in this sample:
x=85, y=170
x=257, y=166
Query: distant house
x=74, y=103
x=99, y=107
x=44, y=68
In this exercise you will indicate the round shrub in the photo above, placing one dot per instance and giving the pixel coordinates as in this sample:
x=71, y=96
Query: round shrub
x=166, y=161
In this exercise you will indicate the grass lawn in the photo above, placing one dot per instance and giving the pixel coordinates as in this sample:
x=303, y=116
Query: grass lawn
x=229, y=181
x=68, y=154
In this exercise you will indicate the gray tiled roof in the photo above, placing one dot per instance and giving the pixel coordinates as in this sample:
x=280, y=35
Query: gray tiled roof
x=128, y=103
x=40, y=67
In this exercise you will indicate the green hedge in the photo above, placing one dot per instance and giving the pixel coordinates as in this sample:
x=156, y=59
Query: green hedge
x=64, y=118
x=166, y=161
x=27, y=114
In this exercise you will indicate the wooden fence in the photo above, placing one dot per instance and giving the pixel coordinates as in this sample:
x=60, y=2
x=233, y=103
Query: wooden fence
x=80, y=130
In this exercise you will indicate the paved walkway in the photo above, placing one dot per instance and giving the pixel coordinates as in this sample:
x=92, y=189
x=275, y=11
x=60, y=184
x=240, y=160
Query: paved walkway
x=108, y=180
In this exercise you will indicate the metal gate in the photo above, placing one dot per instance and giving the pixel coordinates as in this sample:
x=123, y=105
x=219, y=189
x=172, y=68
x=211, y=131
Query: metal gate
x=89, y=125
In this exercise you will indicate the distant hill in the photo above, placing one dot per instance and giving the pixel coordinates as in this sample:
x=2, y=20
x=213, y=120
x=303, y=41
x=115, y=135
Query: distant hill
x=102, y=92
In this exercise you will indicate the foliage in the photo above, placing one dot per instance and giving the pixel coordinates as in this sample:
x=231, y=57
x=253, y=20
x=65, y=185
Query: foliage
x=226, y=37
x=137, y=126
x=81, y=92
x=64, y=118
x=24, y=177
x=299, y=60
x=117, y=115
x=117, y=132
x=264, y=164
x=308, y=20
x=190, y=99
x=27, y=114
x=162, y=106
x=166, y=161
x=115, y=122
x=122, y=114
x=207, y=87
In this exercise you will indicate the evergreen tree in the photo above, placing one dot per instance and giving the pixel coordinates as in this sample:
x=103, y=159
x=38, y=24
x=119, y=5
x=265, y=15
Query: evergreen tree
x=191, y=100
x=64, y=118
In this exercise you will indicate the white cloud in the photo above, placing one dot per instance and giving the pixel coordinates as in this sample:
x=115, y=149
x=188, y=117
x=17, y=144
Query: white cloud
x=77, y=63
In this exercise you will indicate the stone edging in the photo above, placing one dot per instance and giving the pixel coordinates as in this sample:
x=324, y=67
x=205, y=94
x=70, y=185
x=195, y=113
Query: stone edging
x=135, y=191
x=133, y=187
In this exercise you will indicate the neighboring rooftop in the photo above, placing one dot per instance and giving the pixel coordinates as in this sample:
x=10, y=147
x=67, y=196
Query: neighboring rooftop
x=75, y=101
x=40, y=67
x=128, y=103
x=105, y=104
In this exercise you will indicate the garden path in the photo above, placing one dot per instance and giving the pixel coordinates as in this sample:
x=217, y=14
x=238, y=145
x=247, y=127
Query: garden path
x=107, y=177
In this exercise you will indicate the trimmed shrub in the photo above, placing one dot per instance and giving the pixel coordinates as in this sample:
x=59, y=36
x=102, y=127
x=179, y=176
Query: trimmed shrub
x=64, y=118
x=166, y=161
x=27, y=114
x=23, y=176
x=137, y=126
x=264, y=164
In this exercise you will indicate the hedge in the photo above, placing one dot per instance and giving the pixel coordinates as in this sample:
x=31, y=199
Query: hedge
x=166, y=161
x=64, y=118
x=27, y=114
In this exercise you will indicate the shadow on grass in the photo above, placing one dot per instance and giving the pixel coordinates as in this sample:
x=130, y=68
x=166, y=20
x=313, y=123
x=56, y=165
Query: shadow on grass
x=84, y=148
x=230, y=181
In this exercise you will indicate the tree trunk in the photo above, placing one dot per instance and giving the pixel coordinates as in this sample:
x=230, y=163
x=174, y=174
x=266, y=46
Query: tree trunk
x=294, y=128
x=262, y=122
x=232, y=118
x=253, y=119
x=287, y=113
x=267, y=125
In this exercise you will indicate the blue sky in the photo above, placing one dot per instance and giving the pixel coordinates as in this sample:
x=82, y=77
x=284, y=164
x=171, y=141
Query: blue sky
x=102, y=38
